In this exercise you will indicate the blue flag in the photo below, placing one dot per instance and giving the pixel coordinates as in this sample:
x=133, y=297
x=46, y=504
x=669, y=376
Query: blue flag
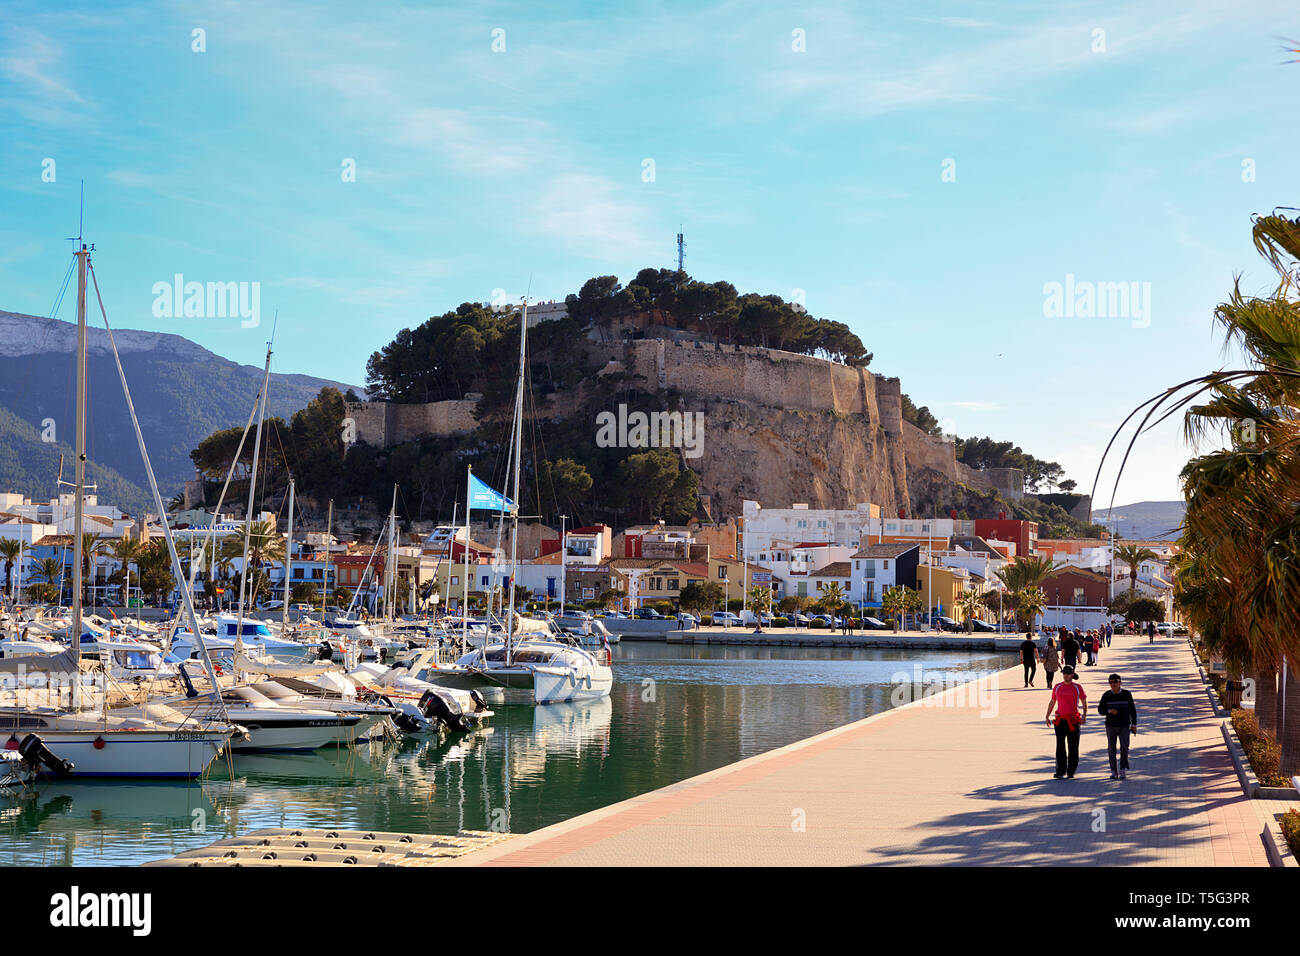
x=484, y=498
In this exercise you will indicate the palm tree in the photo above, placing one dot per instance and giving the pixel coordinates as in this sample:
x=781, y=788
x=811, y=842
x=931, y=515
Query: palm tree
x=913, y=603
x=1241, y=580
x=1027, y=571
x=125, y=551
x=832, y=598
x=1133, y=555
x=893, y=603
x=1030, y=602
x=51, y=569
x=10, y=549
x=264, y=544
x=969, y=603
x=92, y=545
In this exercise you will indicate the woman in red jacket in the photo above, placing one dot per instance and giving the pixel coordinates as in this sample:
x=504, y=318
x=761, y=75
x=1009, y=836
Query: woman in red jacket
x=1071, y=705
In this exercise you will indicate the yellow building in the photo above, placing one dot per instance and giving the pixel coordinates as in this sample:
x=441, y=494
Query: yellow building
x=947, y=584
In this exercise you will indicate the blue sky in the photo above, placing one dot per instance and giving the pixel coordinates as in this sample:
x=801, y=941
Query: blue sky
x=1113, y=157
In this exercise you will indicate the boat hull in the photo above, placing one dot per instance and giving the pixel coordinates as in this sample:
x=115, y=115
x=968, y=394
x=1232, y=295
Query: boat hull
x=161, y=754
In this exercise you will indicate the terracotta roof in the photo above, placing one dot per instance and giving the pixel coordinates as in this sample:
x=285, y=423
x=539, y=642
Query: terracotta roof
x=1070, y=569
x=836, y=569
x=699, y=570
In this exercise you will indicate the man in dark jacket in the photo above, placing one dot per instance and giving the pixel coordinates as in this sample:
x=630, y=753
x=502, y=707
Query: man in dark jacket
x=1070, y=649
x=1029, y=657
x=1117, y=706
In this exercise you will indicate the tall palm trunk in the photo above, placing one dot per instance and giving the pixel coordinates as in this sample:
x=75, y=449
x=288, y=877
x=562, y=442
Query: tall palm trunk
x=1290, y=739
x=1266, y=698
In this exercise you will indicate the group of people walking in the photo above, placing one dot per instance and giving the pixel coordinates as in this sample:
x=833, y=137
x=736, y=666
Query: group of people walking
x=1070, y=703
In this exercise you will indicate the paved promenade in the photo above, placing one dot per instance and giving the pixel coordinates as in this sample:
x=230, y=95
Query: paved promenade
x=962, y=778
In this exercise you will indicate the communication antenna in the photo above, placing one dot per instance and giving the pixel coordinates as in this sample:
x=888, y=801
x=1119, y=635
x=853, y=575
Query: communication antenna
x=681, y=251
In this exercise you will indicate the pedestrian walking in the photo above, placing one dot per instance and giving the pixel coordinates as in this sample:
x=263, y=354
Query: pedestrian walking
x=1071, y=704
x=1029, y=657
x=1087, y=649
x=1070, y=649
x=1121, y=715
x=1096, y=647
x=1151, y=632
x=1051, y=661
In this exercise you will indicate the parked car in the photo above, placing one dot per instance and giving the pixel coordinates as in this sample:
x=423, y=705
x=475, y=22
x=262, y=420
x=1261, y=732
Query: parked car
x=726, y=619
x=687, y=621
x=873, y=624
x=647, y=614
x=984, y=627
x=801, y=619
x=947, y=624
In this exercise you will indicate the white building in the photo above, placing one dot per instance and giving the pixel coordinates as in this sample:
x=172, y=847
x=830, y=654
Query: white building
x=105, y=520
x=766, y=529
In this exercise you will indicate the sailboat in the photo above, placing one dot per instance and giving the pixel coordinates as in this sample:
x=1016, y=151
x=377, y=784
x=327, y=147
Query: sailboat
x=546, y=671
x=142, y=741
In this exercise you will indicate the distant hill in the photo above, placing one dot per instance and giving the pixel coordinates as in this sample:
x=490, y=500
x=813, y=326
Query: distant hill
x=1144, y=519
x=182, y=393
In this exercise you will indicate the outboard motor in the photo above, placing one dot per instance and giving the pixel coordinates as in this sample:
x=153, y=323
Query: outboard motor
x=479, y=702
x=326, y=652
x=407, y=724
x=439, y=705
x=33, y=750
x=189, y=684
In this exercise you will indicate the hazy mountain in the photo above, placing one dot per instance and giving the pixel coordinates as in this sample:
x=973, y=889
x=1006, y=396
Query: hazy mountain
x=181, y=391
x=1144, y=519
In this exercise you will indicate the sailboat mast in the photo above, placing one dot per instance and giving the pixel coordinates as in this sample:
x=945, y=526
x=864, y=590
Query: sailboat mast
x=325, y=585
x=252, y=487
x=514, y=496
x=390, y=578
x=82, y=255
x=288, y=563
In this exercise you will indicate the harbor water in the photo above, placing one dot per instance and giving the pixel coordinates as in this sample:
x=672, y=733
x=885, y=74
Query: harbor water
x=675, y=712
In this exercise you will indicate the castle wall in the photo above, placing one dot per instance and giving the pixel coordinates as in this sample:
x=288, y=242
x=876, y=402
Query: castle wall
x=384, y=423
x=927, y=451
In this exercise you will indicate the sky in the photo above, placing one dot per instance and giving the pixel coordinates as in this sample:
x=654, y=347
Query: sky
x=922, y=172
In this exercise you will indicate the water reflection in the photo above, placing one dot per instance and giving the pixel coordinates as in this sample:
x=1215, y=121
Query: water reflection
x=674, y=712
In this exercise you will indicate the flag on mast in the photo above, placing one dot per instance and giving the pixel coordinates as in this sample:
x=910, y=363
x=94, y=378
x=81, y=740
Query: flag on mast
x=484, y=498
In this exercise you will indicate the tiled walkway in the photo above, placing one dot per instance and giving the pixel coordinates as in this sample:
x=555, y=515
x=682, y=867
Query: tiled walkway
x=960, y=778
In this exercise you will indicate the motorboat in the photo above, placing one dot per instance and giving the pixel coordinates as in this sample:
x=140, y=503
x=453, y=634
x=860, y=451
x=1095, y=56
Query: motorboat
x=254, y=634
x=554, y=672
x=292, y=692
x=426, y=704
x=271, y=725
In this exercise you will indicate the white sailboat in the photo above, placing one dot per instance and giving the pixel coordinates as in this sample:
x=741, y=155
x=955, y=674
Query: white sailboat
x=142, y=741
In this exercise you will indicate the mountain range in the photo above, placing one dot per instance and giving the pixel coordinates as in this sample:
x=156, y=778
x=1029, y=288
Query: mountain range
x=1144, y=519
x=181, y=391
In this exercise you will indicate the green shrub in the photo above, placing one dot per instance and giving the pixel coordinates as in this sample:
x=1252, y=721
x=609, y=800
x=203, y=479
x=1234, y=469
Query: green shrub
x=1264, y=753
x=780, y=622
x=1291, y=830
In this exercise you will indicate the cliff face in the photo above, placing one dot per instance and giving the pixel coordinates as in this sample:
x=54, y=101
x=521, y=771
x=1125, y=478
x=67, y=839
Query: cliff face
x=781, y=456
